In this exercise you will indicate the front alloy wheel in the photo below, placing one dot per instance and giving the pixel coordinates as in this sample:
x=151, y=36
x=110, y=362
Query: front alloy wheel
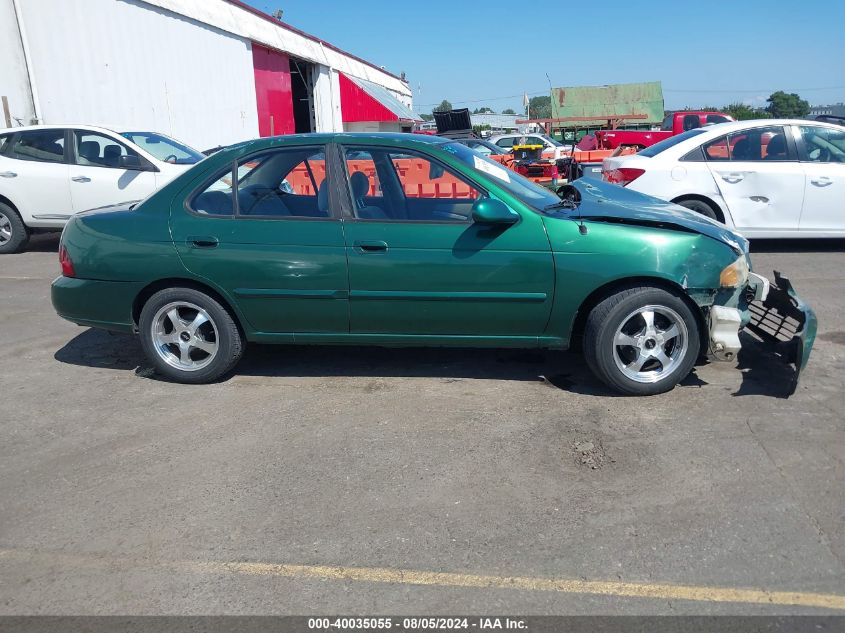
x=650, y=343
x=642, y=340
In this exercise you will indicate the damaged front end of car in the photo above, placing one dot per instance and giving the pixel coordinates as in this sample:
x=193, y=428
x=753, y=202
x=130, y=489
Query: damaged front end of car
x=772, y=312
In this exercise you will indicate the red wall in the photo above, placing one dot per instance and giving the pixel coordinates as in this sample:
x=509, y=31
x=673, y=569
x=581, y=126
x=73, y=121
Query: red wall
x=272, y=91
x=357, y=105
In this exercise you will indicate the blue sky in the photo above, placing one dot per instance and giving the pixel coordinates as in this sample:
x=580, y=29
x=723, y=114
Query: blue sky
x=475, y=54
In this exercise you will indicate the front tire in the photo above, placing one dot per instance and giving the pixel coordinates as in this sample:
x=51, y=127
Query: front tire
x=641, y=341
x=14, y=235
x=188, y=336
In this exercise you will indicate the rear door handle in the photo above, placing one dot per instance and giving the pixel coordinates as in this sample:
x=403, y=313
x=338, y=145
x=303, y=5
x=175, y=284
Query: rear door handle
x=202, y=241
x=822, y=181
x=733, y=178
x=375, y=246
x=8, y=174
x=81, y=179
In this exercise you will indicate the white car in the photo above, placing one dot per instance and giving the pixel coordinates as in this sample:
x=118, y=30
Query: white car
x=552, y=148
x=50, y=172
x=765, y=178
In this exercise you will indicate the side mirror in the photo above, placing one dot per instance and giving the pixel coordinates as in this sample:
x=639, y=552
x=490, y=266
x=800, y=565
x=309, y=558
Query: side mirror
x=131, y=161
x=491, y=211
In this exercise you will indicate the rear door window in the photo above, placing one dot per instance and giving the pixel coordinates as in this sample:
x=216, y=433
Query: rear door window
x=43, y=146
x=717, y=118
x=768, y=144
x=691, y=121
x=284, y=183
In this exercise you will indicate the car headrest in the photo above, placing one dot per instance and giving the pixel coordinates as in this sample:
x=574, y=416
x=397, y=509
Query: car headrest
x=360, y=185
x=323, y=197
x=89, y=150
x=776, y=146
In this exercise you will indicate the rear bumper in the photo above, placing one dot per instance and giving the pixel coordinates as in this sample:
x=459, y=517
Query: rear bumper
x=94, y=303
x=784, y=321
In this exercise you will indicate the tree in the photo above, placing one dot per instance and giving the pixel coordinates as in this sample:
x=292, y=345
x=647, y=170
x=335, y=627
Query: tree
x=444, y=106
x=426, y=117
x=540, y=107
x=508, y=111
x=483, y=110
x=743, y=112
x=787, y=106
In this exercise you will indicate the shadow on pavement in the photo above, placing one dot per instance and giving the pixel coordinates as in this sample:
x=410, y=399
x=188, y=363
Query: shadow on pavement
x=764, y=371
x=43, y=243
x=559, y=370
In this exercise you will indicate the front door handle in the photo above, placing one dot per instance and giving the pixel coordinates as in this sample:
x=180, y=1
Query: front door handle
x=376, y=246
x=822, y=181
x=81, y=179
x=8, y=174
x=202, y=241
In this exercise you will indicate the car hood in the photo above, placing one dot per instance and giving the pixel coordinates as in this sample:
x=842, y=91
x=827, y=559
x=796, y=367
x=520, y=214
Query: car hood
x=603, y=202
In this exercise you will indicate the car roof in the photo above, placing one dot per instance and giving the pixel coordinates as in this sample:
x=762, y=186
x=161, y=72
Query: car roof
x=63, y=126
x=349, y=138
x=497, y=136
x=733, y=126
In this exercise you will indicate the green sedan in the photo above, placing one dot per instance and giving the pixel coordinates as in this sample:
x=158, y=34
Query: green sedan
x=411, y=240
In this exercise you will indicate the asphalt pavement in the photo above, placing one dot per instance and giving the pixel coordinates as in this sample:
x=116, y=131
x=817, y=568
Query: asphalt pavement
x=362, y=480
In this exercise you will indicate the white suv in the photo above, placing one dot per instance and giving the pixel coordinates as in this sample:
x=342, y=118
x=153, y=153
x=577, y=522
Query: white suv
x=50, y=172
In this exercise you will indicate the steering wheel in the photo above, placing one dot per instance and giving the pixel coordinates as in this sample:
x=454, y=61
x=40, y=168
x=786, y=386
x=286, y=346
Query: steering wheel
x=171, y=159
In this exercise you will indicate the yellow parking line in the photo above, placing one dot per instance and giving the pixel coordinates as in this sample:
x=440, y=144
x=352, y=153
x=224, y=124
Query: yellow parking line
x=659, y=591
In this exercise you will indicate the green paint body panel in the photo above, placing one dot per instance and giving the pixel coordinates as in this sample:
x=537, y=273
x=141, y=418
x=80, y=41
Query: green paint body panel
x=294, y=280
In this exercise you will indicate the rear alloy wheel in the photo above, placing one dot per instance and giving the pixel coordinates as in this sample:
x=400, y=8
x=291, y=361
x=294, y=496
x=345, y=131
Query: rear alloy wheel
x=13, y=233
x=188, y=336
x=699, y=206
x=641, y=341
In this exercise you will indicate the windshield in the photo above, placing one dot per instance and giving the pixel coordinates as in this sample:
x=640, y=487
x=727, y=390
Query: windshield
x=655, y=149
x=530, y=193
x=164, y=148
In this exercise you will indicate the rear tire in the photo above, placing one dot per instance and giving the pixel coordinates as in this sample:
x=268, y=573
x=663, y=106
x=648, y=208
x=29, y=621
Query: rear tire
x=699, y=206
x=188, y=336
x=641, y=341
x=14, y=235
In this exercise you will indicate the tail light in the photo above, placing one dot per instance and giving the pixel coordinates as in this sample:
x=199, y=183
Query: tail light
x=66, y=263
x=622, y=176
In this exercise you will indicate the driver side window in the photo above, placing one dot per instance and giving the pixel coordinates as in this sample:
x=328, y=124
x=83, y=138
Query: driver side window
x=390, y=185
x=823, y=145
x=96, y=150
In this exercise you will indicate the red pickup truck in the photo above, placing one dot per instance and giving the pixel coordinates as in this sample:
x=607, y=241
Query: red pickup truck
x=673, y=124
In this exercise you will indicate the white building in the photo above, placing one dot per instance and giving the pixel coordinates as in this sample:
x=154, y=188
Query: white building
x=207, y=72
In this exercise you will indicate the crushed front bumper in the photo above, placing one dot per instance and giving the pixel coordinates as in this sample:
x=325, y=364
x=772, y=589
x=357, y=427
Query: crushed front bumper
x=772, y=312
x=782, y=319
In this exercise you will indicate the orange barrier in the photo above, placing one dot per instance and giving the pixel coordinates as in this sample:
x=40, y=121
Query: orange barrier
x=413, y=174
